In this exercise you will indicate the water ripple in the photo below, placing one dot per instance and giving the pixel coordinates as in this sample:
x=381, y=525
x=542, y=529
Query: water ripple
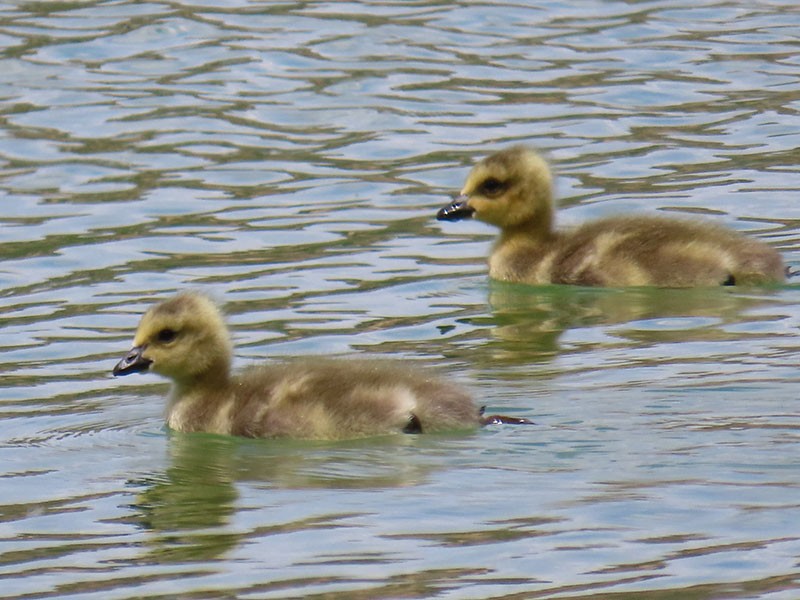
x=289, y=158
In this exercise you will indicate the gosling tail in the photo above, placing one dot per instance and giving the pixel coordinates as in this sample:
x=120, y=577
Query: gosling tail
x=502, y=419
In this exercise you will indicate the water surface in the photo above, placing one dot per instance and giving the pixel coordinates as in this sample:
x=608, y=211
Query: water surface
x=289, y=158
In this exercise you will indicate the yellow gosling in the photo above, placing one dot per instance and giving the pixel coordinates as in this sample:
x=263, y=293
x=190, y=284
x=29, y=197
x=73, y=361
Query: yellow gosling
x=512, y=189
x=186, y=340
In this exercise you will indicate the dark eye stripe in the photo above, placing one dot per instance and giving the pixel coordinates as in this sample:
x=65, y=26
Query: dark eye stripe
x=166, y=335
x=492, y=186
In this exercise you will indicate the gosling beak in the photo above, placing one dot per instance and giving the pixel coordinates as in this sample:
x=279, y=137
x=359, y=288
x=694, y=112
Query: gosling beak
x=457, y=210
x=132, y=362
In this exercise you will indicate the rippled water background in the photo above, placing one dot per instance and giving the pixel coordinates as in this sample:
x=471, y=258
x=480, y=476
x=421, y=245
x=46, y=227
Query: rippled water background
x=289, y=157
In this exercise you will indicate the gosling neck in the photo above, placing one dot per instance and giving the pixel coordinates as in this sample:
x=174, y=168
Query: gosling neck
x=215, y=377
x=538, y=230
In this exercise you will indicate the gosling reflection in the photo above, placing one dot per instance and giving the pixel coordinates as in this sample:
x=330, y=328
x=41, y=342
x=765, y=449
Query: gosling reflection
x=190, y=505
x=189, y=508
x=527, y=323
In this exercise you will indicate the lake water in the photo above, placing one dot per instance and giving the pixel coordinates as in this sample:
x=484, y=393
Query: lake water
x=289, y=157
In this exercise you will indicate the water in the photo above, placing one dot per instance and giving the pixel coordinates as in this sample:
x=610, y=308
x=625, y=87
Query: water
x=289, y=158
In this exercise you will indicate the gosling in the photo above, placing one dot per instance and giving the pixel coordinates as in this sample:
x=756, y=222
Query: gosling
x=185, y=339
x=512, y=190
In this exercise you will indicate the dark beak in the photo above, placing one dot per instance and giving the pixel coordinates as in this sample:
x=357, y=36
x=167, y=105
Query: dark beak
x=456, y=210
x=132, y=362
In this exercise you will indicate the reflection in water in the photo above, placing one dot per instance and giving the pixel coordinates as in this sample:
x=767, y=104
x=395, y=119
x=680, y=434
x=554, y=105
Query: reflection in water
x=527, y=322
x=190, y=505
x=296, y=464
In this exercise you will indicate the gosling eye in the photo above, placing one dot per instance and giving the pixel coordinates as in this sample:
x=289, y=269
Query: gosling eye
x=166, y=335
x=492, y=187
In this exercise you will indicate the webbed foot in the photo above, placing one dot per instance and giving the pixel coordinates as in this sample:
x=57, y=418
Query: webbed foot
x=413, y=425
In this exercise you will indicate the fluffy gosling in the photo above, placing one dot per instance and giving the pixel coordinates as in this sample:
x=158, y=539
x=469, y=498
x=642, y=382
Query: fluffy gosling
x=512, y=189
x=186, y=340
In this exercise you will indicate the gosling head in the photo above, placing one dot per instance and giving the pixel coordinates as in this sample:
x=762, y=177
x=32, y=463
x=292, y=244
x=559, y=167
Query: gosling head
x=511, y=188
x=183, y=338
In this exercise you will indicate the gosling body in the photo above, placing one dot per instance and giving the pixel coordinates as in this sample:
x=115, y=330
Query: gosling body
x=185, y=339
x=512, y=190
